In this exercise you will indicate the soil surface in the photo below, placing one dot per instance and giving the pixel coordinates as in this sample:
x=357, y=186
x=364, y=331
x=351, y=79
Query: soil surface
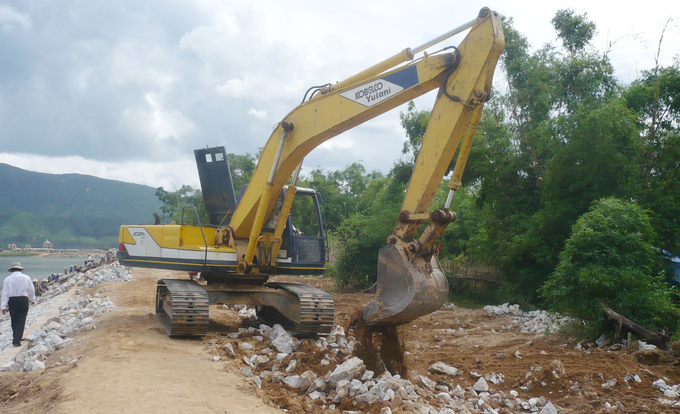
x=128, y=364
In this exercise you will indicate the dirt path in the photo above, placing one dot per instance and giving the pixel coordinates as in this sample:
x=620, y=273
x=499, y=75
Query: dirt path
x=128, y=364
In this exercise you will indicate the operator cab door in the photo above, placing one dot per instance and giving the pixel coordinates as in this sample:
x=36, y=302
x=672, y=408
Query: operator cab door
x=307, y=246
x=303, y=242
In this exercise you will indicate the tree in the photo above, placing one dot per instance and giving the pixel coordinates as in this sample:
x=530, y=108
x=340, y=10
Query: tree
x=610, y=259
x=575, y=31
x=242, y=168
x=363, y=234
x=655, y=99
x=175, y=201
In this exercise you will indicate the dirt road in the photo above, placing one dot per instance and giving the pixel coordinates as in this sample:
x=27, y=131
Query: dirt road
x=128, y=364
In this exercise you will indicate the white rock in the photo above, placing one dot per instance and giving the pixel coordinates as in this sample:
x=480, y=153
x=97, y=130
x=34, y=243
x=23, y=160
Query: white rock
x=229, y=350
x=442, y=368
x=659, y=385
x=245, y=346
x=444, y=398
x=368, y=374
x=246, y=371
x=10, y=366
x=284, y=343
x=292, y=381
x=315, y=395
x=291, y=366
x=258, y=360
x=37, y=366
x=352, y=368
x=481, y=385
x=426, y=382
x=307, y=378
x=549, y=408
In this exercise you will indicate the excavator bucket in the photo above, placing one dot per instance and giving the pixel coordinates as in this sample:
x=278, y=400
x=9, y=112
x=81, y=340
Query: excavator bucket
x=407, y=288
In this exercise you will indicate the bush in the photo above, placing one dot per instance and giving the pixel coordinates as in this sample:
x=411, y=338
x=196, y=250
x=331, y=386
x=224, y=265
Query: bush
x=610, y=259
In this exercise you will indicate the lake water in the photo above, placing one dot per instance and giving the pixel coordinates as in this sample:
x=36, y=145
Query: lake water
x=38, y=267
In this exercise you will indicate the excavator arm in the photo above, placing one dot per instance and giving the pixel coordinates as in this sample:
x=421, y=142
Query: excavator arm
x=410, y=280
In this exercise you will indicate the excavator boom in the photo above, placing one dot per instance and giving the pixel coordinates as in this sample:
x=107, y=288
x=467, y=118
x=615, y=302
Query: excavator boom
x=410, y=280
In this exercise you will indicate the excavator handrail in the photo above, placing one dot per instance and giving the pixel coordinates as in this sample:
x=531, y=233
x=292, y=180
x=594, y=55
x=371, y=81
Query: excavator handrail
x=200, y=225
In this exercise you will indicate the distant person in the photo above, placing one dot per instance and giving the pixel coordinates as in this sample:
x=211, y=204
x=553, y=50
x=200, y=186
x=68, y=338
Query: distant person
x=36, y=288
x=17, y=292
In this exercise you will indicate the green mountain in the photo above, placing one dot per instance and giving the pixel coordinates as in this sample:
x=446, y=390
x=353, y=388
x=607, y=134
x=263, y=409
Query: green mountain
x=70, y=210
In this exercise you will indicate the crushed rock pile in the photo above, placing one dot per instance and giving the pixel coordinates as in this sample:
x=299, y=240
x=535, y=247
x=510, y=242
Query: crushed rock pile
x=533, y=321
x=325, y=373
x=76, y=315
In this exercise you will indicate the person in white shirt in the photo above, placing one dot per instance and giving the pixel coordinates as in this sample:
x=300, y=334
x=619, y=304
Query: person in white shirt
x=17, y=291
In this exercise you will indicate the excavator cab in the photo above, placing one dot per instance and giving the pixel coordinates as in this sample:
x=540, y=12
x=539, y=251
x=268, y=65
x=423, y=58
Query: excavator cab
x=303, y=243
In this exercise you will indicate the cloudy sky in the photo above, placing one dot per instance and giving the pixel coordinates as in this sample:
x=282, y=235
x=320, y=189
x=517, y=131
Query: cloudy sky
x=127, y=89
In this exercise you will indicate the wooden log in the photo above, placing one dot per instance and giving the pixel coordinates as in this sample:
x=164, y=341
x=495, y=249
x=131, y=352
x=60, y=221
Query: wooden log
x=655, y=338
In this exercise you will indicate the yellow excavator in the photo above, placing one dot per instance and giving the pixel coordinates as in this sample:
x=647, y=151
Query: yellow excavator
x=252, y=237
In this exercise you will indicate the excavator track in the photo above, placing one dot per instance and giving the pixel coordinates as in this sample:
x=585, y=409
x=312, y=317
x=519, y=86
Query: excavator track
x=182, y=307
x=317, y=311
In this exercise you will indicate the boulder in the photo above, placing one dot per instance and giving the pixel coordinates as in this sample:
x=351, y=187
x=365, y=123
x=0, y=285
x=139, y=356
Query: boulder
x=348, y=370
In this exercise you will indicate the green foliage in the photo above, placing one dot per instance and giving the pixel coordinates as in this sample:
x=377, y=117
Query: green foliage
x=574, y=30
x=177, y=206
x=242, y=168
x=557, y=140
x=344, y=192
x=655, y=99
x=610, y=259
x=414, y=123
x=364, y=233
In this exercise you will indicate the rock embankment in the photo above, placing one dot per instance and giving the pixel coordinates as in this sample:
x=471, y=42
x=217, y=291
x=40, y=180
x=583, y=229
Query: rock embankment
x=76, y=315
x=327, y=373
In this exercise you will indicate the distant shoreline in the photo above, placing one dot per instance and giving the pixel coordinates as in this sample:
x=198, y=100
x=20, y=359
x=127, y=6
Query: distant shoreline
x=79, y=253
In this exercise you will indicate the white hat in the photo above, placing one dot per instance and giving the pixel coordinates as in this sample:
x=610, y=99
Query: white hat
x=15, y=266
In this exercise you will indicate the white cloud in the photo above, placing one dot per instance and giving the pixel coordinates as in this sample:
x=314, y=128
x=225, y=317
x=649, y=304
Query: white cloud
x=235, y=88
x=261, y=114
x=339, y=142
x=9, y=18
x=170, y=175
x=164, y=123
